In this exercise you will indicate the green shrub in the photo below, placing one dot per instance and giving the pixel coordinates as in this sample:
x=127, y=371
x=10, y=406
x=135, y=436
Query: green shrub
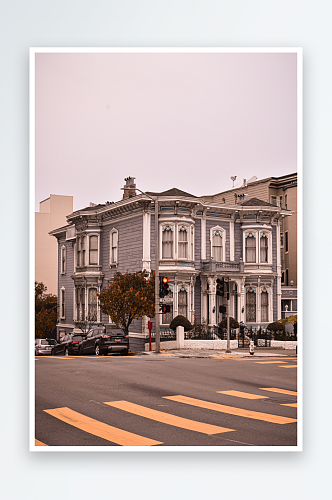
x=180, y=321
x=274, y=327
x=232, y=322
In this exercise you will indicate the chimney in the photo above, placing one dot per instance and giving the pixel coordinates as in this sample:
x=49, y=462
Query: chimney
x=129, y=189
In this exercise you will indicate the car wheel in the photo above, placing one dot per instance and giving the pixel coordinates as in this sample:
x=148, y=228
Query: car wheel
x=36, y=353
x=66, y=351
x=97, y=350
x=80, y=352
x=124, y=352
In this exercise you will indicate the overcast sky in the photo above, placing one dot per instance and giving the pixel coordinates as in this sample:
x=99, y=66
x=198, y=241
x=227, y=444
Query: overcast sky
x=185, y=120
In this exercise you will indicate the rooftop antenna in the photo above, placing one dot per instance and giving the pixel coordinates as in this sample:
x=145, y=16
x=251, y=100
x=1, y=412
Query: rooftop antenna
x=233, y=177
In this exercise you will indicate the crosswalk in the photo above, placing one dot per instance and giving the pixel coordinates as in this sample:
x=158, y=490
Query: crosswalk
x=124, y=437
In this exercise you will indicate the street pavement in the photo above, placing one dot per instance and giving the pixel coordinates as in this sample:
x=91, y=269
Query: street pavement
x=182, y=398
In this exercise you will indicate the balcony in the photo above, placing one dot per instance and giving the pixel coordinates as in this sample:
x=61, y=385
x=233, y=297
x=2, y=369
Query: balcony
x=214, y=266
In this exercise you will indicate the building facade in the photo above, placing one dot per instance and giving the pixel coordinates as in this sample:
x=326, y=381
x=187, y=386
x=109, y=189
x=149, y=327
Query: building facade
x=52, y=214
x=200, y=242
x=280, y=191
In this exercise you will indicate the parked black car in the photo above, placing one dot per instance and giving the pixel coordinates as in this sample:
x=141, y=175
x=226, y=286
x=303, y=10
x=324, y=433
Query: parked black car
x=99, y=341
x=69, y=344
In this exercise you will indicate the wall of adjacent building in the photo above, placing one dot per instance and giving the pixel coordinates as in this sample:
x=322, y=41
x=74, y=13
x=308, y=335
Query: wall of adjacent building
x=52, y=215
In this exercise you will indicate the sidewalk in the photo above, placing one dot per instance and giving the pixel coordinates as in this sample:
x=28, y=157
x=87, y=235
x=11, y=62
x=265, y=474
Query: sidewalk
x=235, y=353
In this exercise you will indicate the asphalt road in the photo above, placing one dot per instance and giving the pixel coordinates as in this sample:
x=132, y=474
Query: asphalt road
x=163, y=400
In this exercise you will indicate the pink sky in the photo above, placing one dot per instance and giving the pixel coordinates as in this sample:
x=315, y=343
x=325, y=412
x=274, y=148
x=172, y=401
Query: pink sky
x=185, y=120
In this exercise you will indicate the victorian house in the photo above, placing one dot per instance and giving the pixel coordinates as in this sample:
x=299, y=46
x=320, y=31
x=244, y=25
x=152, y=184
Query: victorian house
x=199, y=241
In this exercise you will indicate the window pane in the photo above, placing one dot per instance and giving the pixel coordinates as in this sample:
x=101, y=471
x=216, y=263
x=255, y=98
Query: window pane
x=217, y=248
x=264, y=306
x=250, y=249
x=93, y=254
x=251, y=306
x=167, y=244
x=263, y=249
x=182, y=303
x=93, y=304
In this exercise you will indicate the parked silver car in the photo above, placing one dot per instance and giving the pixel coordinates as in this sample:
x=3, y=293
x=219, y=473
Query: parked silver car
x=43, y=346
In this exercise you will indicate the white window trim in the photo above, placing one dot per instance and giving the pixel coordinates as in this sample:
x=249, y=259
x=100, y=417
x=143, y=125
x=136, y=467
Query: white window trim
x=113, y=231
x=63, y=261
x=190, y=241
x=62, y=312
x=223, y=231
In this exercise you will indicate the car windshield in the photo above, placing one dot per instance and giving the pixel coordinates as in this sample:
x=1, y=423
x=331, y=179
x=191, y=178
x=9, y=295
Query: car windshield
x=45, y=342
x=77, y=338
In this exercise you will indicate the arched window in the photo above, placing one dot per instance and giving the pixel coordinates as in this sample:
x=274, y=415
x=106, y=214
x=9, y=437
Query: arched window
x=251, y=304
x=263, y=247
x=217, y=246
x=182, y=302
x=167, y=241
x=114, y=247
x=63, y=260
x=250, y=247
x=264, y=305
x=92, y=304
x=183, y=242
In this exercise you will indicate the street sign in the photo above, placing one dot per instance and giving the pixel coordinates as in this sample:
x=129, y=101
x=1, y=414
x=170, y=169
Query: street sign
x=166, y=300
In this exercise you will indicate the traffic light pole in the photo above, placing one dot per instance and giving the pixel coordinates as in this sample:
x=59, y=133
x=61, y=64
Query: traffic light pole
x=156, y=277
x=228, y=350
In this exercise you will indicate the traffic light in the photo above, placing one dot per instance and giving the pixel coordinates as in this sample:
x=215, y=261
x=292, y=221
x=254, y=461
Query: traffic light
x=164, y=286
x=165, y=308
x=220, y=287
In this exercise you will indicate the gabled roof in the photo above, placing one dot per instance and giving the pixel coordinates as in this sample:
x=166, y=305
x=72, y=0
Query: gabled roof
x=255, y=202
x=172, y=192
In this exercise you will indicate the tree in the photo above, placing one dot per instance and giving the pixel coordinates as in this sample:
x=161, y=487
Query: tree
x=130, y=296
x=45, y=312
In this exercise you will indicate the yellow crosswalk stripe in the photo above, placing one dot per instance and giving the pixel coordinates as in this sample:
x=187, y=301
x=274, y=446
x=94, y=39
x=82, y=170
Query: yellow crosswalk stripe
x=240, y=394
x=269, y=362
x=293, y=405
x=266, y=417
x=39, y=443
x=280, y=391
x=100, y=429
x=167, y=418
x=289, y=366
